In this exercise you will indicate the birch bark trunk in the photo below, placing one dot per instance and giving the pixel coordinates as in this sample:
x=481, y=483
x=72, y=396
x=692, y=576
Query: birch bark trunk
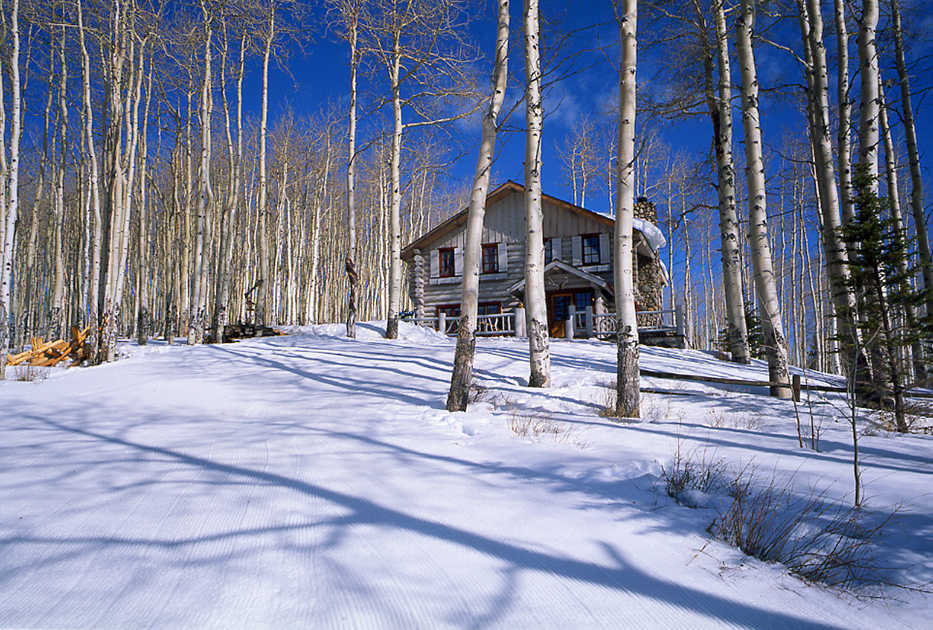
x=737, y=331
x=913, y=156
x=144, y=317
x=837, y=260
x=868, y=105
x=87, y=117
x=627, y=376
x=770, y=307
x=235, y=157
x=10, y=183
x=263, y=291
x=535, y=297
x=352, y=18
x=844, y=133
x=205, y=193
x=894, y=199
x=395, y=204
x=462, y=375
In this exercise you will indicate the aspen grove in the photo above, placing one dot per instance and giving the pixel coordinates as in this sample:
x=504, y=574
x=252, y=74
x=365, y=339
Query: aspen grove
x=154, y=185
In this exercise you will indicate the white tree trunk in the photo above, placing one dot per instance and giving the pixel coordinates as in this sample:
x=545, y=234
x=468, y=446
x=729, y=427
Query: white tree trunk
x=913, y=156
x=395, y=204
x=769, y=304
x=462, y=375
x=627, y=376
x=844, y=134
x=535, y=298
x=10, y=184
x=837, y=271
x=263, y=291
x=352, y=19
x=737, y=332
x=868, y=79
x=205, y=194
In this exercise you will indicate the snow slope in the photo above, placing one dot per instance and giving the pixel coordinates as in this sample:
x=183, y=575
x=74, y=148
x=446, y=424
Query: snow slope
x=317, y=482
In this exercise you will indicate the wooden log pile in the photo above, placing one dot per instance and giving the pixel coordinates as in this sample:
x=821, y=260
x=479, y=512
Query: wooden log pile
x=51, y=353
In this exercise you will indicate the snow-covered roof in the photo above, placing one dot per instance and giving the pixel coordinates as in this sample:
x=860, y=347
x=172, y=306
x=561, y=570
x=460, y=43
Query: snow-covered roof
x=652, y=233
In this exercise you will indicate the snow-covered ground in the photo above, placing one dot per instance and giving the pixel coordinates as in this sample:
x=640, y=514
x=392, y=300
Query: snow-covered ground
x=314, y=481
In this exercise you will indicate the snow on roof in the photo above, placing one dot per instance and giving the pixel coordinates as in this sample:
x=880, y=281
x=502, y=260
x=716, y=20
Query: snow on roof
x=653, y=235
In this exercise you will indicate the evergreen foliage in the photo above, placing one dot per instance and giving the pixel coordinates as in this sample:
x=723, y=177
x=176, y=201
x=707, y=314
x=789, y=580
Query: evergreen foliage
x=880, y=276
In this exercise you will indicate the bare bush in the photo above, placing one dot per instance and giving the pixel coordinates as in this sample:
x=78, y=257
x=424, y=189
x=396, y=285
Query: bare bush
x=689, y=474
x=815, y=538
x=721, y=419
x=534, y=426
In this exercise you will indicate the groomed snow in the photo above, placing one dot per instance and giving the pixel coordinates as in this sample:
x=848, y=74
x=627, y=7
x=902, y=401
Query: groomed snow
x=312, y=481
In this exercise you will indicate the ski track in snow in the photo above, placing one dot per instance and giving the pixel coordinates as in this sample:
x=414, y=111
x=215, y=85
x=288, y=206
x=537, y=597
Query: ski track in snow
x=312, y=481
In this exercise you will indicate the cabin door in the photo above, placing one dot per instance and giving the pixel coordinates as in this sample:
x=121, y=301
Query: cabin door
x=558, y=309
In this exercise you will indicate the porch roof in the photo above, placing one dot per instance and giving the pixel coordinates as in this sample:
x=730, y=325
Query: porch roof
x=562, y=266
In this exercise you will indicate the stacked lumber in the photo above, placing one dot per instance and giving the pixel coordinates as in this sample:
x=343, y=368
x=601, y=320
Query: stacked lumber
x=51, y=353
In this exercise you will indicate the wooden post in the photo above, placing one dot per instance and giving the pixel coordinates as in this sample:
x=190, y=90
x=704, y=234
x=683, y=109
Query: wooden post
x=795, y=387
x=442, y=322
x=588, y=330
x=679, y=319
x=568, y=326
x=519, y=324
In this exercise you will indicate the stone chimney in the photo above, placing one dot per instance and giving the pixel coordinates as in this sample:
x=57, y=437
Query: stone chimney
x=646, y=211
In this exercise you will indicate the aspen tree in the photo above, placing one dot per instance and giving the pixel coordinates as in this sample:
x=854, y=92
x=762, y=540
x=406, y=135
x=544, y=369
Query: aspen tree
x=205, y=193
x=868, y=80
x=350, y=15
x=262, y=304
x=899, y=232
x=535, y=298
x=462, y=375
x=769, y=303
x=235, y=184
x=844, y=303
x=627, y=376
x=844, y=104
x=55, y=323
x=721, y=114
x=913, y=157
x=9, y=178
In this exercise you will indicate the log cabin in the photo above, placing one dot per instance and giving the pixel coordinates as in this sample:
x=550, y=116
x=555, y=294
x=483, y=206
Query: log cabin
x=578, y=261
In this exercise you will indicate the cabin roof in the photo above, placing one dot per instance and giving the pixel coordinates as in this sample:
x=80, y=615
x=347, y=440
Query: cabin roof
x=505, y=189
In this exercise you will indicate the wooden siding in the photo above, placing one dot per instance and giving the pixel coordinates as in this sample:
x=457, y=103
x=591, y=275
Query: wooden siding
x=505, y=224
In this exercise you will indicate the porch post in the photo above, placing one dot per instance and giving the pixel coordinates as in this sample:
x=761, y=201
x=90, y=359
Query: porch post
x=568, y=326
x=519, y=313
x=588, y=331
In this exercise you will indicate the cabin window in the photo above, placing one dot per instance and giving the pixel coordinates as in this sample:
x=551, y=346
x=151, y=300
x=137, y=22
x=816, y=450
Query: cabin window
x=591, y=249
x=548, y=250
x=488, y=308
x=445, y=262
x=491, y=258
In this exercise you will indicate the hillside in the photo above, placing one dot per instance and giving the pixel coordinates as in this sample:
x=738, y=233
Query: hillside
x=314, y=481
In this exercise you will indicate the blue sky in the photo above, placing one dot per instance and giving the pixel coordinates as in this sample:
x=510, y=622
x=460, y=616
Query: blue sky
x=318, y=75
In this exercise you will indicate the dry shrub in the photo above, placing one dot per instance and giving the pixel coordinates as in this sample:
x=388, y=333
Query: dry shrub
x=534, y=426
x=477, y=393
x=607, y=406
x=721, y=419
x=918, y=415
x=693, y=473
x=816, y=539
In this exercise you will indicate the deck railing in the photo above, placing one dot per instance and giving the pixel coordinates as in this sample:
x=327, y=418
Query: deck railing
x=579, y=324
x=486, y=325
